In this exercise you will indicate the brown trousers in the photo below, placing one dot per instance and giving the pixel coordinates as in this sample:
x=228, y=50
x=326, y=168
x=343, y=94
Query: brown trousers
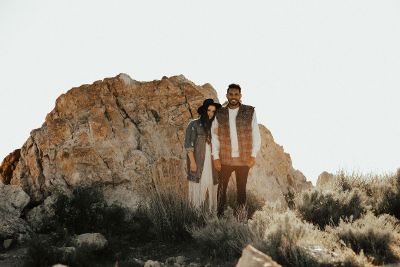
x=241, y=173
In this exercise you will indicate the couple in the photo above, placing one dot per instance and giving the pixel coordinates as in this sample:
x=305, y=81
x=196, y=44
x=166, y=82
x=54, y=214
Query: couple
x=223, y=140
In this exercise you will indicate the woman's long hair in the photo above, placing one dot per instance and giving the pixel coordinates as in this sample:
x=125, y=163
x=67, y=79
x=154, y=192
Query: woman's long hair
x=206, y=122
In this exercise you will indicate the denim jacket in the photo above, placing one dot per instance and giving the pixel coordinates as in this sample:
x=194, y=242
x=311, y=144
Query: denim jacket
x=195, y=140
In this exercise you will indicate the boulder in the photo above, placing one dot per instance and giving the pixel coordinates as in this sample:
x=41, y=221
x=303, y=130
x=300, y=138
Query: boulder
x=13, y=199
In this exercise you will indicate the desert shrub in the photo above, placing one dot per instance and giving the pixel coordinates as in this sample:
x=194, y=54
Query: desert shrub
x=290, y=197
x=327, y=207
x=283, y=238
x=86, y=211
x=46, y=251
x=388, y=196
x=382, y=191
x=290, y=241
x=40, y=253
x=223, y=237
x=80, y=212
x=372, y=235
x=171, y=214
x=345, y=181
x=253, y=202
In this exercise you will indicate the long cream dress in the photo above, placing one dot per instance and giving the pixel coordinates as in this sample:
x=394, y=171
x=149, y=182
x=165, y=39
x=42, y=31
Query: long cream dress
x=198, y=191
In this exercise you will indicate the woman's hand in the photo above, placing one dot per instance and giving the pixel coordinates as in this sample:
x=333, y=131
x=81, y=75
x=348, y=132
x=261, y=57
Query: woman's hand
x=217, y=164
x=193, y=166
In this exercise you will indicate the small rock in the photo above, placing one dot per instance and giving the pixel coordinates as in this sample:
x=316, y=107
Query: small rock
x=91, y=241
x=180, y=260
x=252, y=257
x=151, y=263
x=7, y=243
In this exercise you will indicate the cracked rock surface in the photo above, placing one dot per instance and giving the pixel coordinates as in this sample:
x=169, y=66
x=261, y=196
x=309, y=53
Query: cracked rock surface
x=128, y=136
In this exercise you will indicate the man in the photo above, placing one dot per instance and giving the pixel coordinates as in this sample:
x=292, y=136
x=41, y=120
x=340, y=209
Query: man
x=235, y=138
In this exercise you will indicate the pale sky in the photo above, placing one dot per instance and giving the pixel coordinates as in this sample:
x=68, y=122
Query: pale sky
x=324, y=76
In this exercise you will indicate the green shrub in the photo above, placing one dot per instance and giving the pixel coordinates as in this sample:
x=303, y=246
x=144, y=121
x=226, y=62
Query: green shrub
x=326, y=208
x=372, y=235
x=223, y=237
x=171, y=215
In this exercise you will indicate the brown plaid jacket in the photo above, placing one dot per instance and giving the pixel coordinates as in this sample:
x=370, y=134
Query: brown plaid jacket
x=244, y=132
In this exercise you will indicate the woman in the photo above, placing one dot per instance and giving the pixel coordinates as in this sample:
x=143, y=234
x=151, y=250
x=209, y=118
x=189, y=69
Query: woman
x=201, y=174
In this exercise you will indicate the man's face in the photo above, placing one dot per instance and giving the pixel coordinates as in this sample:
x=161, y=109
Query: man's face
x=233, y=97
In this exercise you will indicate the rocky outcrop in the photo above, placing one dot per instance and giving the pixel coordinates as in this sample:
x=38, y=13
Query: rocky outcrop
x=8, y=165
x=252, y=257
x=324, y=179
x=128, y=136
x=273, y=175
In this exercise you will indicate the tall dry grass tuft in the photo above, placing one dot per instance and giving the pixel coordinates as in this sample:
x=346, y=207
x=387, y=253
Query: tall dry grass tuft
x=171, y=215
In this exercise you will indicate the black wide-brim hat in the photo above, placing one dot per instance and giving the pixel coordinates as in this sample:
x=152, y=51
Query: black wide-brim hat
x=206, y=104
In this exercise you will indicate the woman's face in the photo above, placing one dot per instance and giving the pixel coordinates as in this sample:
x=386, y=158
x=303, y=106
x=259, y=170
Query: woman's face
x=211, y=111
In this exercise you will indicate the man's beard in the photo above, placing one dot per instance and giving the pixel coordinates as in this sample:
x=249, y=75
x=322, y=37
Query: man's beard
x=236, y=103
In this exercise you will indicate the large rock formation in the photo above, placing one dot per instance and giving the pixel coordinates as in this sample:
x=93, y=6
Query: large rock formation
x=128, y=137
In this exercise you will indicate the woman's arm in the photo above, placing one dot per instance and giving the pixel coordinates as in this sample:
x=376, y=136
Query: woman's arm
x=193, y=165
x=190, y=140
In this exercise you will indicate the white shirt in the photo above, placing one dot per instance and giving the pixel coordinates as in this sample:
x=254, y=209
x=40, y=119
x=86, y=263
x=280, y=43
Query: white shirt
x=233, y=135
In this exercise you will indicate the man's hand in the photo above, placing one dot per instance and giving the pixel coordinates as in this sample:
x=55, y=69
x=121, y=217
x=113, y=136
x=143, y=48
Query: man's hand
x=217, y=164
x=251, y=162
x=193, y=166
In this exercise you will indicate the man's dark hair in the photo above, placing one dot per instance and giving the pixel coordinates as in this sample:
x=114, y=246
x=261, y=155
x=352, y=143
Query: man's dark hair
x=234, y=86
